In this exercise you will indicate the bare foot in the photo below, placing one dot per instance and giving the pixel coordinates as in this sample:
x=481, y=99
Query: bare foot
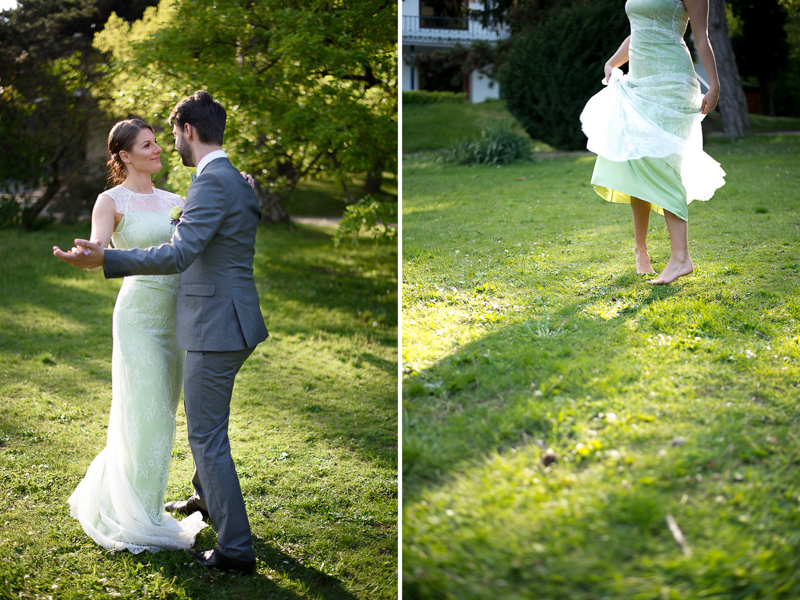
x=643, y=266
x=673, y=270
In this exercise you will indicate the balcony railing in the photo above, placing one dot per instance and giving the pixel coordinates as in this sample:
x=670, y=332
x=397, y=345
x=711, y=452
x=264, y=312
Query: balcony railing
x=432, y=29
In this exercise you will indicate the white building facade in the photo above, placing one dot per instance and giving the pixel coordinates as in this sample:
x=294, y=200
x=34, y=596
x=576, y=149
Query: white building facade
x=430, y=25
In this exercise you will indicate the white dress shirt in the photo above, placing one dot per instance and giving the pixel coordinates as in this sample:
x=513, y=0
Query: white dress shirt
x=208, y=158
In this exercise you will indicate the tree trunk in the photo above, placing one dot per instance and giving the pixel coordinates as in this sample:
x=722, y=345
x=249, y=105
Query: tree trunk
x=373, y=182
x=30, y=215
x=271, y=205
x=732, y=103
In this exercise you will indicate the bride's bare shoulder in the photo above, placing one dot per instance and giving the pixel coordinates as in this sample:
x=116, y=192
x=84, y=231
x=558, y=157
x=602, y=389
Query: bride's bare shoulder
x=105, y=203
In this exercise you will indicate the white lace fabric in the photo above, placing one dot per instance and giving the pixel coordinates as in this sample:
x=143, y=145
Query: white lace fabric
x=654, y=110
x=145, y=222
x=120, y=502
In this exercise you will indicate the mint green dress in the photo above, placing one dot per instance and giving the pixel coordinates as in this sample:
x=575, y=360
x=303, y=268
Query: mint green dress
x=645, y=126
x=120, y=501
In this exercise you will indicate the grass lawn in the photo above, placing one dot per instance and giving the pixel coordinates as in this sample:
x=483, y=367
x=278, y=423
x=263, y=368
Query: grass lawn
x=324, y=197
x=437, y=126
x=313, y=427
x=558, y=408
x=759, y=123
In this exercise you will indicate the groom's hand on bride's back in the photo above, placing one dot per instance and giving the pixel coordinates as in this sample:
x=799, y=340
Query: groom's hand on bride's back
x=86, y=255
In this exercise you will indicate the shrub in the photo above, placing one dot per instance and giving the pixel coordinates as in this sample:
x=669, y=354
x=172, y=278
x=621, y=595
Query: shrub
x=498, y=144
x=10, y=210
x=370, y=215
x=553, y=70
x=423, y=97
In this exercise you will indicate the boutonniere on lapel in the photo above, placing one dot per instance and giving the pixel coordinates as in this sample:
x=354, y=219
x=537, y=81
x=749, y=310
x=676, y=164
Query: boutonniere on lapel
x=175, y=214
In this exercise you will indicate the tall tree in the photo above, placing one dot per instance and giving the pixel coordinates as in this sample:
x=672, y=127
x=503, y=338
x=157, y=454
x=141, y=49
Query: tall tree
x=47, y=64
x=553, y=70
x=761, y=47
x=310, y=85
x=732, y=103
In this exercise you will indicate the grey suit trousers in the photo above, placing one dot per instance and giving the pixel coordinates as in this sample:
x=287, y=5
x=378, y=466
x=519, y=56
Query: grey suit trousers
x=208, y=384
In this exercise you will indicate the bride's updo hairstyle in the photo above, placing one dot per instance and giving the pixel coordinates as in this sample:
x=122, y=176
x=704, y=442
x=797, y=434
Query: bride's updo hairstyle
x=122, y=137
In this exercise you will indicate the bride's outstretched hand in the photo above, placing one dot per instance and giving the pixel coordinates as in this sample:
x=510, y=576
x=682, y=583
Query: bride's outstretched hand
x=85, y=255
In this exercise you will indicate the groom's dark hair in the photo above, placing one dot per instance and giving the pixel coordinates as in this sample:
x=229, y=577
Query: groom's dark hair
x=203, y=113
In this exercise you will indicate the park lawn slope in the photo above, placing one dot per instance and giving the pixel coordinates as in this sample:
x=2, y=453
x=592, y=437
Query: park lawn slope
x=437, y=126
x=313, y=427
x=526, y=329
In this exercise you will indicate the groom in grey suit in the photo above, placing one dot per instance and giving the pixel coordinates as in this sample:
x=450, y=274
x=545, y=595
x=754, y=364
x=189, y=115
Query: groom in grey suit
x=219, y=320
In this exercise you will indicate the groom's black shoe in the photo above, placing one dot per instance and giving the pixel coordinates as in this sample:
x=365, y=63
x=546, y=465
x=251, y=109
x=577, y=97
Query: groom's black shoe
x=185, y=507
x=214, y=559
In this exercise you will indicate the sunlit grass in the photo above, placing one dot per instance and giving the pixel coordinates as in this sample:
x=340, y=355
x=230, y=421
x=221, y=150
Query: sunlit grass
x=313, y=427
x=526, y=329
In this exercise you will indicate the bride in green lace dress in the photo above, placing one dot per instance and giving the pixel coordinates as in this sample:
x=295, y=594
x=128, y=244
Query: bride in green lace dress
x=645, y=126
x=120, y=502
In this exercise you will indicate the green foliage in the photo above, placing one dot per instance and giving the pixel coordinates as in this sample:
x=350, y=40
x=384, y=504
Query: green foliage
x=313, y=427
x=553, y=70
x=371, y=217
x=521, y=16
x=44, y=110
x=526, y=328
x=499, y=144
x=10, y=210
x=46, y=65
x=426, y=97
x=309, y=86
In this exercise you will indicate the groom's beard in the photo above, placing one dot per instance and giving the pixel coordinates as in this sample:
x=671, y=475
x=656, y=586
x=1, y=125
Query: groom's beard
x=185, y=151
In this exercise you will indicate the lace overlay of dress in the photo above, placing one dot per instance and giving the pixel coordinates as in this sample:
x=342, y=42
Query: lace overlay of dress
x=650, y=118
x=120, y=501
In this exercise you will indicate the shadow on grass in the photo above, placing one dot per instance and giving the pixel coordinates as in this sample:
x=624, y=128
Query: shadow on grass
x=344, y=294
x=618, y=545
x=504, y=388
x=181, y=566
x=325, y=197
x=361, y=283
x=483, y=515
x=55, y=350
x=476, y=429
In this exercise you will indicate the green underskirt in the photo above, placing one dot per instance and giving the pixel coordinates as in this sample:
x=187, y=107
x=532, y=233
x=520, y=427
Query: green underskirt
x=652, y=180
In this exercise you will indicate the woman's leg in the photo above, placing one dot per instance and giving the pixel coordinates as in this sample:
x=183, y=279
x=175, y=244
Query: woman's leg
x=679, y=262
x=641, y=219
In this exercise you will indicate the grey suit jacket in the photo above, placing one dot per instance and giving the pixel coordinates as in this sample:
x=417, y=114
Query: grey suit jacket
x=213, y=248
